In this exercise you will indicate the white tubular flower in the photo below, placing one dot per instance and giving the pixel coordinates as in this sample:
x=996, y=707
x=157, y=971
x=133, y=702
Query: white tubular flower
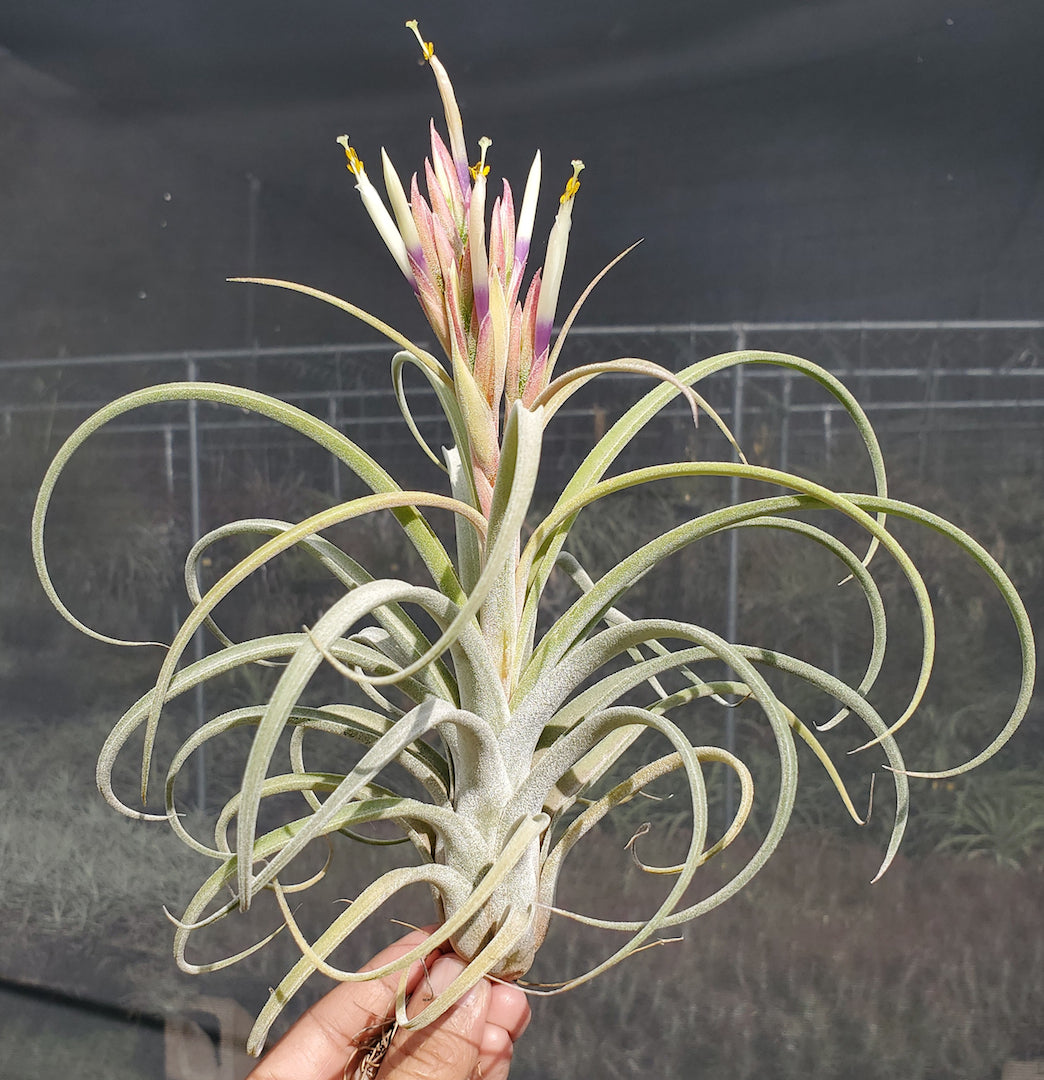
x=454, y=124
x=477, y=237
x=378, y=211
x=554, y=264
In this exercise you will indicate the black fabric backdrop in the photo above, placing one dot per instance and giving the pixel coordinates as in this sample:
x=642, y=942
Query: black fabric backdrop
x=783, y=159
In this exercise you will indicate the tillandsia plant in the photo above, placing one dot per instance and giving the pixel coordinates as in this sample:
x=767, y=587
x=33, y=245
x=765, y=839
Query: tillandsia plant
x=507, y=730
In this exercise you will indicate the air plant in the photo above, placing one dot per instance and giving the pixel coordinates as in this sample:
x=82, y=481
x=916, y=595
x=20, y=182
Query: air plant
x=508, y=731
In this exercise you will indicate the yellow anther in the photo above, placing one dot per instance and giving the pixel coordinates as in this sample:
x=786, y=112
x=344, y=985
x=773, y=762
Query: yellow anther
x=427, y=47
x=480, y=167
x=572, y=184
x=355, y=165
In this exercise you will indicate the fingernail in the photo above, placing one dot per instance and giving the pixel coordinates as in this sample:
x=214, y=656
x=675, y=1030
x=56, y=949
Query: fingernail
x=443, y=972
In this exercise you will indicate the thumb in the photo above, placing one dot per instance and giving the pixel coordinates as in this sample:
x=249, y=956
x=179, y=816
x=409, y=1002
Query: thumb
x=448, y=1048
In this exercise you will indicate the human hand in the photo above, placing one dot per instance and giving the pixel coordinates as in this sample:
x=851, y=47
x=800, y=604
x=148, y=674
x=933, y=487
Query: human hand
x=472, y=1040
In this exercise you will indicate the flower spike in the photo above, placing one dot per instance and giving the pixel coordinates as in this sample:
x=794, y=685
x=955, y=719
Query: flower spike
x=468, y=275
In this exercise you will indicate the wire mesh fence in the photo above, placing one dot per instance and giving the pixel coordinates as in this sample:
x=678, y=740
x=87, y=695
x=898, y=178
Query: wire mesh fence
x=937, y=392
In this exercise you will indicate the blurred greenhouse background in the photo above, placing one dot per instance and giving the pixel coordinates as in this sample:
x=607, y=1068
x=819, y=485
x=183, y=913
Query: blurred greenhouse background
x=856, y=182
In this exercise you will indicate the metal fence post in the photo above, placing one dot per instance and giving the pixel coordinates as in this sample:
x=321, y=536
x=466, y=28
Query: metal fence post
x=925, y=436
